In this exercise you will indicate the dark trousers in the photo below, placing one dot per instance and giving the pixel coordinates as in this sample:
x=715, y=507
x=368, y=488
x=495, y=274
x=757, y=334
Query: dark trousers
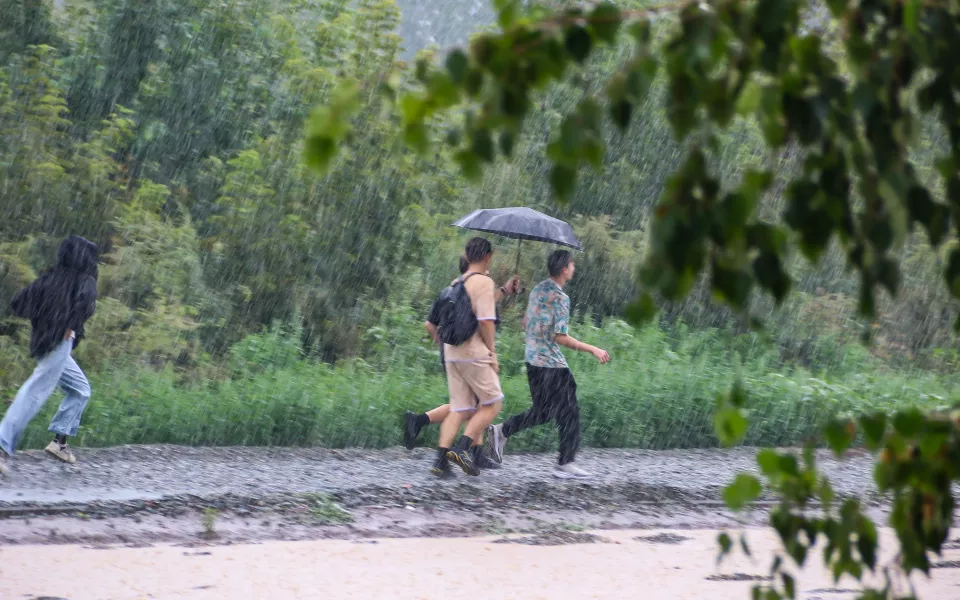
x=554, y=394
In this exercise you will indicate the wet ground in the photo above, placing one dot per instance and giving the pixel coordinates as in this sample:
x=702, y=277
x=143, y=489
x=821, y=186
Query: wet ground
x=139, y=495
x=203, y=523
x=577, y=565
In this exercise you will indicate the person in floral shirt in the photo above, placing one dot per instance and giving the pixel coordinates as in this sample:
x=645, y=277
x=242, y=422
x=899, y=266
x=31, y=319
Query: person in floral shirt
x=552, y=386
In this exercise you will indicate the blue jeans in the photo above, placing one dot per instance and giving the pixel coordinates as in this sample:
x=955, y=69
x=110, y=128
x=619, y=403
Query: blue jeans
x=56, y=367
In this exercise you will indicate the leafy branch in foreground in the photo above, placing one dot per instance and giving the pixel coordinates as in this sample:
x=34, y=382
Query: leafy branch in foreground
x=853, y=117
x=918, y=459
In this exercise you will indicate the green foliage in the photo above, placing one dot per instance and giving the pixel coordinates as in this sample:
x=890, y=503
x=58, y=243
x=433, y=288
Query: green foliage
x=269, y=393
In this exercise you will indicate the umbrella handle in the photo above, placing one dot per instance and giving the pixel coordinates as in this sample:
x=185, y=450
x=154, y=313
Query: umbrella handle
x=516, y=269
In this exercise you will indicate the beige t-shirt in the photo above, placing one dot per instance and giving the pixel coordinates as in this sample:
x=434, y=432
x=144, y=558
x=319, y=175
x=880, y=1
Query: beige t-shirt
x=481, y=291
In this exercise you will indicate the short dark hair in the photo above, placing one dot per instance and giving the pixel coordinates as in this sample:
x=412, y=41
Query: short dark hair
x=478, y=249
x=558, y=261
x=464, y=264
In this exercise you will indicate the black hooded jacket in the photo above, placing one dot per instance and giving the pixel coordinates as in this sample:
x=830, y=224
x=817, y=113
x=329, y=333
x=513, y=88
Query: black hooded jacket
x=63, y=298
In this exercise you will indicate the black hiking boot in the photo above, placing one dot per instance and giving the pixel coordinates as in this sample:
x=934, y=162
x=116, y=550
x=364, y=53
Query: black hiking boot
x=441, y=466
x=412, y=426
x=462, y=458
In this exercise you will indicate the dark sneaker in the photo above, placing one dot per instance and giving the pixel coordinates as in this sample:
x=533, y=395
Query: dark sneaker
x=61, y=452
x=464, y=460
x=411, y=429
x=484, y=462
x=442, y=471
x=441, y=468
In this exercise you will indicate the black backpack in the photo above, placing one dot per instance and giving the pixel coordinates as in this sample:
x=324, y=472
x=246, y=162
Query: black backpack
x=457, y=323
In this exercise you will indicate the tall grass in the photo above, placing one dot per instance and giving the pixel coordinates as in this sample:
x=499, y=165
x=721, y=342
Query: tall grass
x=657, y=393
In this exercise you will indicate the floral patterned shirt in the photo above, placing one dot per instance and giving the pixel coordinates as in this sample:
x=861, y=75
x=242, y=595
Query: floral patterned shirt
x=548, y=315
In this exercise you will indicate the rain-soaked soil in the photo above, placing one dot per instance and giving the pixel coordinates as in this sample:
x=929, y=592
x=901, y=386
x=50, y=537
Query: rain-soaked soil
x=139, y=495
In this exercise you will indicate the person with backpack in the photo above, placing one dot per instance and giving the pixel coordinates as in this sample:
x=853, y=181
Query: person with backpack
x=552, y=386
x=467, y=316
x=415, y=422
x=57, y=304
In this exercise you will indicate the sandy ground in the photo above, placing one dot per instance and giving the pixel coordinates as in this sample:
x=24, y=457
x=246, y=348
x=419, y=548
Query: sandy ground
x=615, y=564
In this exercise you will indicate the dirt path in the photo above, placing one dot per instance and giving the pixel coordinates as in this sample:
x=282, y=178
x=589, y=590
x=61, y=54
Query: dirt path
x=166, y=494
x=667, y=565
x=130, y=474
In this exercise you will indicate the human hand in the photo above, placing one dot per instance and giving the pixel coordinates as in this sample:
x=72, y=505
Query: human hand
x=68, y=335
x=602, y=355
x=513, y=286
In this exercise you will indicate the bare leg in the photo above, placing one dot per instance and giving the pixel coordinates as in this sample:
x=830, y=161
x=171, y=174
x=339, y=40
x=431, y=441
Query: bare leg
x=438, y=414
x=450, y=427
x=483, y=417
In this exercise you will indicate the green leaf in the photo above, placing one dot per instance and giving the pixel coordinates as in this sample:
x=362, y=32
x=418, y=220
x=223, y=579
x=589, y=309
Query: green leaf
x=771, y=276
x=319, y=151
x=605, y=21
x=749, y=100
x=726, y=545
x=744, y=490
x=470, y=164
x=640, y=31
x=590, y=112
x=640, y=311
x=730, y=426
x=415, y=134
x=563, y=180
x=482, y=145
x=909, y=422
x=578, y=43
x=769, y=462
x=473, y=82
x=507, y=12
x=827, y=495
x=873, y=427
x=910, y=10
x=457, y=63
x=738, y=395
x=839, y=435
x=506, y=143
x=640, y=74
x=593, y=151
x=867, y=542
x=620, y=113
x=789, y=586
x=888, y=274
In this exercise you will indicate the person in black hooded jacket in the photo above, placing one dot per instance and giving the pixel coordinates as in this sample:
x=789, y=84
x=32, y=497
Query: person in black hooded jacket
x=58, y=304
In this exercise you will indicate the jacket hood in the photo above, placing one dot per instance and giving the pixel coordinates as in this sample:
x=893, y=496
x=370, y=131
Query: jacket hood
x=79, y=254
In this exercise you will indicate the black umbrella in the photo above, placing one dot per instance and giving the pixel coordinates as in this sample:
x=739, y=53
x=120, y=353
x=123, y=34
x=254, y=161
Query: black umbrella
x=521, y=223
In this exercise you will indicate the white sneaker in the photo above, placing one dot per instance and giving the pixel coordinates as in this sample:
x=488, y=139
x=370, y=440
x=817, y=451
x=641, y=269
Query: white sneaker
x=570, y=471
x=497, y=441
x=61, y=452
x=4, y=467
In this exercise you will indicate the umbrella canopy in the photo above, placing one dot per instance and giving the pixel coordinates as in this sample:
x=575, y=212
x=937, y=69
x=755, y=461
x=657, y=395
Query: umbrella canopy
x=521, y=223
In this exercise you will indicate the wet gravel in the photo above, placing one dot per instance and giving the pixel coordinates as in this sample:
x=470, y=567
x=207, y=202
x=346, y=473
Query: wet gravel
x=128, y=478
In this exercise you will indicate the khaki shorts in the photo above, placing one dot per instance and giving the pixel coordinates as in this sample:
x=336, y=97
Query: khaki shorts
x=472, y=384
